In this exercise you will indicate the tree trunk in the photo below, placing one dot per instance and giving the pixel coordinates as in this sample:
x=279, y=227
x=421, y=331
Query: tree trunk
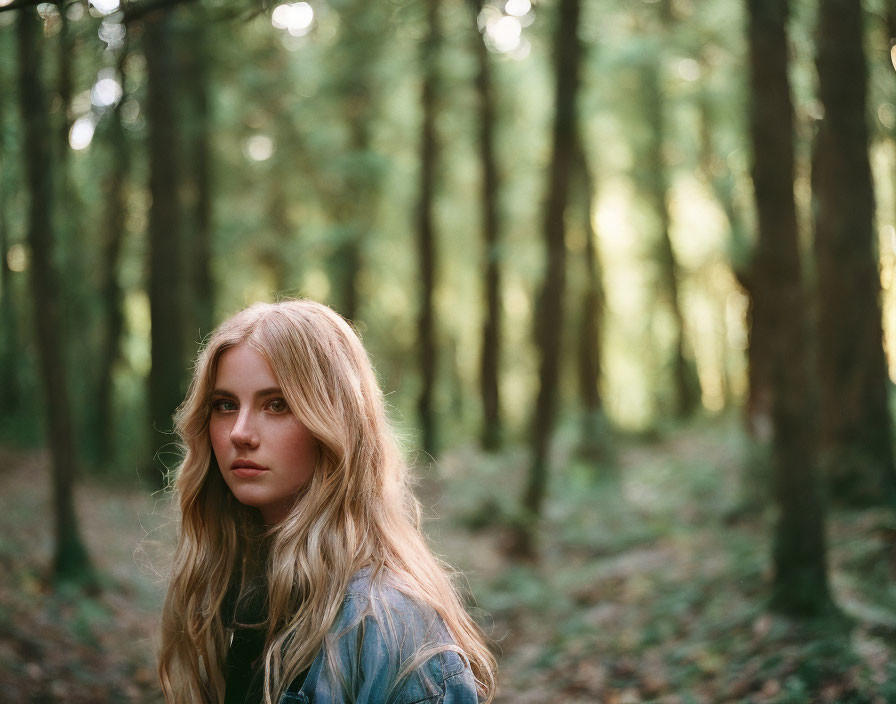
x=65, y=67
x=347, y=266
x=114, y=232
x=9, y=352
x=9, y=387
x=594, y=443
x=490, y=352
x=70, y=562
x=684, y=377
x=198, y=85
x=72, y=252
x=781, y=317
x=359, y=84
x=857, y=454
x=426, y=233
x=282, y=229
x=550, y=307
x=361, y=184
x=165, y=275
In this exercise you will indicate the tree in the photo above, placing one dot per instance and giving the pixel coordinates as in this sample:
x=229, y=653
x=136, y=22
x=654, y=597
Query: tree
x=197, y=87
x=857, y=453
x=781, y=317
x=115, y=227
x=165, y=269
x=656, y=182
x=550, y=307
x=71, y=246
x=65, y=68
x=490, y=350
x=70, y=561
x=9, y=384
x=282, y=230
x=594, y=442
x=357, y=82
x=426, y=236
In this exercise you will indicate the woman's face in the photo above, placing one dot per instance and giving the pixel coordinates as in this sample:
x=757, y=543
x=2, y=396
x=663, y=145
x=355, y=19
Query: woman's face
x=264, y=453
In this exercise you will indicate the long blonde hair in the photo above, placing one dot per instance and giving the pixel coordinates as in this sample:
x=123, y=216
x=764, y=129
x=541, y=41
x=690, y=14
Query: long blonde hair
x=356, y=511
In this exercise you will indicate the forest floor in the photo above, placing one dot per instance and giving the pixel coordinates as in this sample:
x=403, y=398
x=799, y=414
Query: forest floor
x=650, y=586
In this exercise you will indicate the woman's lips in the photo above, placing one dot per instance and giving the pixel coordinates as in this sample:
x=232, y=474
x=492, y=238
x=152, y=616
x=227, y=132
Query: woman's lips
x=245, y=468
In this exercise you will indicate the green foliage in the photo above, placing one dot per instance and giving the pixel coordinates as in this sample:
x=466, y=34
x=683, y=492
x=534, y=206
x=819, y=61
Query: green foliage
x=646, y=588
x=659, y=548
x=314, y=149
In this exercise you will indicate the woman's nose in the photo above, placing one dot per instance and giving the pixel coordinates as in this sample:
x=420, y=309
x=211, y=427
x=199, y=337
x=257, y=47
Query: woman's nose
x=243, y=431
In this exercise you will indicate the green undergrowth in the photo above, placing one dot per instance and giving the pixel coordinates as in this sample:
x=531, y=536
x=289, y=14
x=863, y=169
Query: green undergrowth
x=653, y=578
x=67, y=642
x=650, y=584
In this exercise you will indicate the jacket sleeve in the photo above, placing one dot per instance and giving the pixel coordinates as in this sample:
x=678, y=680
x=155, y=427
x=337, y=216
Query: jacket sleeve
x=396, y=652
x=460, y=688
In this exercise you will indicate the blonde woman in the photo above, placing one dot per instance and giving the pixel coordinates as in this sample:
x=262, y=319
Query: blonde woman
x=300, y=573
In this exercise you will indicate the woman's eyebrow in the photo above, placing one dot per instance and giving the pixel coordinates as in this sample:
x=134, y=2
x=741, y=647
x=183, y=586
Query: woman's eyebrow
x=271, y=391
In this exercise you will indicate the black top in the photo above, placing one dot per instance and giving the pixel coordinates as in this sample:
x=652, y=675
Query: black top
x=244, y=673
x=244, y=670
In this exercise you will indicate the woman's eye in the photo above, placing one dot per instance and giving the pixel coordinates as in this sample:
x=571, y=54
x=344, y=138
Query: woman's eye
x=223, y=404
x=277, y=405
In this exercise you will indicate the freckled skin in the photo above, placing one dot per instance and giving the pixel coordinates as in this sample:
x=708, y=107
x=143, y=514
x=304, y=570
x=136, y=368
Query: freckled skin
x=250, y=420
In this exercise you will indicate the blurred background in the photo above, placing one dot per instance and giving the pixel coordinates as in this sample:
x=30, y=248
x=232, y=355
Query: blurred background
x=624, y=268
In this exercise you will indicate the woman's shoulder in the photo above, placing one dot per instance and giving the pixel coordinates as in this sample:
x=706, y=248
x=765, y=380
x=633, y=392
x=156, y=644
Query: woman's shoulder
x=382, y=587
x=398, y=636
x=378, y=596
x=386, y=646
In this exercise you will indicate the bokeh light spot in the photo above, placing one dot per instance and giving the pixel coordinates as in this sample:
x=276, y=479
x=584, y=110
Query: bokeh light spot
x=517, y=8
x=105, y=7
x=259, y=147
x=689, y=69
x=505, y=33
x=81, y=133
x=17, y=258
x=112, y=33
x=106, y=92
x=295, y=17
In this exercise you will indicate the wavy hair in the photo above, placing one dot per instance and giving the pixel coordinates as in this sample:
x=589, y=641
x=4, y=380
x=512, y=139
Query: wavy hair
x=356, y=511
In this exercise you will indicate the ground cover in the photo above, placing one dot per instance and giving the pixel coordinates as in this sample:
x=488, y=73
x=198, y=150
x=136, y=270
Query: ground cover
x=652, y=581
x=650, y=585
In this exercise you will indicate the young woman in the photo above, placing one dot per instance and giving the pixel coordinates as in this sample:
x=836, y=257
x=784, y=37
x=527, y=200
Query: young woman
x=301, y=574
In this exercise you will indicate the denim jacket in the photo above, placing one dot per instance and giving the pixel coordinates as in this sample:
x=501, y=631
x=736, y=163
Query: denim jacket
x=375, y=639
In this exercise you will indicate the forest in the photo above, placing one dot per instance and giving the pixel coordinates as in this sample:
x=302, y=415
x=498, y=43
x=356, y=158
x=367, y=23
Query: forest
x=626, y=270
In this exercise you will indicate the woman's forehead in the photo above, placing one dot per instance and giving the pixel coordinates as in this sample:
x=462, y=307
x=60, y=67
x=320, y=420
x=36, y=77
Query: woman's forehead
x=242, y=367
